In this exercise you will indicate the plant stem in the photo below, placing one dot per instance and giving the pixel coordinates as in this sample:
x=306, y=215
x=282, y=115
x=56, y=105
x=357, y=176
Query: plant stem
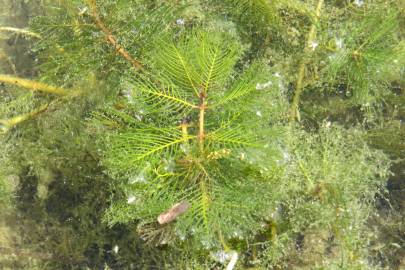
x=32, y=85
x=185, y=124
x=301, y=71
x=201, y=133
x=110, y=38
x=9, y=123
x=205, y=197
x=19, y=31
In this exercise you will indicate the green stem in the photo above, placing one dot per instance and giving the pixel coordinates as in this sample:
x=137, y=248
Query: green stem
x=7, y=124
x=20, y=31
x=201, y=132
x=301, y=71
x=32, y=85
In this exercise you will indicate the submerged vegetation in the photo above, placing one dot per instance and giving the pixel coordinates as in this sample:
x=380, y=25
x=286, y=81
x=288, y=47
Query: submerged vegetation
x=202, y=134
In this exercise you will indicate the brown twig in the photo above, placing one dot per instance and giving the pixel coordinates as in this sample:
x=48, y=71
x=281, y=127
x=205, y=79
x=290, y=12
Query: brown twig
x=110, y=37
x=174, y=211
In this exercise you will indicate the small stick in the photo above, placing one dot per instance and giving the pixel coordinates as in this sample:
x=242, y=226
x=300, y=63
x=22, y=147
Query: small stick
x=175, y=211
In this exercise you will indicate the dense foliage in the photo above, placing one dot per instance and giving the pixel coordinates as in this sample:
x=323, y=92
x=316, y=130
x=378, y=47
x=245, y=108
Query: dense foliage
x=195, y=134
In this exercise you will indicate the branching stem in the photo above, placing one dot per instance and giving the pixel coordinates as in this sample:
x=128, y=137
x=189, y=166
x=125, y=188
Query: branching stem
x=110, y=37
x=301, y=71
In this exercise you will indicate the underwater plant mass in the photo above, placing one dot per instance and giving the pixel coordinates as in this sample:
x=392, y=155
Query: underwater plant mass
x=202, y=134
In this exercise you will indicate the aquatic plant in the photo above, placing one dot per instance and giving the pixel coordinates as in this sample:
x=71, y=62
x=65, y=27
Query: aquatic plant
x=227, y=132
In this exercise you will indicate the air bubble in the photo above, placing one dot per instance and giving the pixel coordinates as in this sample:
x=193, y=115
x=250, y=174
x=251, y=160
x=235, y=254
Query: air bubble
x=140, y=178
x=358, y=3
x=180, y=22
x=131, y=199
x=313, y=45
